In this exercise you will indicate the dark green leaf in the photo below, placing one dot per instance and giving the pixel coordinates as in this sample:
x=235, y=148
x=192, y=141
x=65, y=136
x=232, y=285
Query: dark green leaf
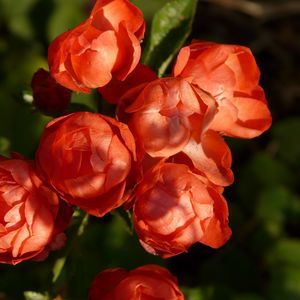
x=171, y=27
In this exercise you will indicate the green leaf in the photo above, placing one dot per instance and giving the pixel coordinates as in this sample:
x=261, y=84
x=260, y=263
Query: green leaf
x=29, y=295
x=171, y=27
x=83, y=224
x=57, y=268
x=149, y=8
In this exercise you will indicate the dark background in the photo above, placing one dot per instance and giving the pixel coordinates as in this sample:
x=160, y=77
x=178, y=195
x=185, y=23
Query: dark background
x=262, y=259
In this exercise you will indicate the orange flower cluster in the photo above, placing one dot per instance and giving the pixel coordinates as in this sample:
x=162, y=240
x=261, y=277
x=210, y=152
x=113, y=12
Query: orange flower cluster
x=179, y=123
x=164, y=155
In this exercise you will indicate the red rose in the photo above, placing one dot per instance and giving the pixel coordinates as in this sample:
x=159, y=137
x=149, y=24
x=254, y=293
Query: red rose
x=230, y=74
x=88, y=159
x=168, y=116
x=165, y=114
x=107, y=44
x=175, y=208
x=143, y=283
x=31, y=216
x=48, y=96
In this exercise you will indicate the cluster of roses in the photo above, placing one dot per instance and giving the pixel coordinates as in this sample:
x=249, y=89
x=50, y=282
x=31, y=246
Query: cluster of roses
x=163, y=156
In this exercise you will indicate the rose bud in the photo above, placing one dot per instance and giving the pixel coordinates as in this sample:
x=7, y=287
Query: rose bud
x=106, y=45
x=48, y=96
x=174, y=209
x=143, y=283
x=32, y=218
x=115, y=89
x=165, y=114
x=89, y=159
x=230, y=74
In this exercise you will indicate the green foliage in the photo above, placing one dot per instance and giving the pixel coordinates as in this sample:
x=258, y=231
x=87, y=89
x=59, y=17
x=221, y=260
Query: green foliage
x=276, y=201
x=16, y=15
x=193, y=293
x=4, y=146
x=285, y=252
x=286, y=140
x=171, y=27
x=35, y=296
x=67, y=14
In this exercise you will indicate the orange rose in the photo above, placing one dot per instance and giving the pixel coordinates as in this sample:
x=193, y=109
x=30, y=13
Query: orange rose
x=230, y=74
x=31, y=216
x=165, y=114
x=143, y=283
x=88, y=159
x=168, y=116
x=48, y=96
x=107, y=44
x=175, y=208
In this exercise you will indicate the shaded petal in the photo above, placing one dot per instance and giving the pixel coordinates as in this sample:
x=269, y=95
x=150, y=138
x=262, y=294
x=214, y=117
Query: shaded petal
x=94, y=66
x=211, y=156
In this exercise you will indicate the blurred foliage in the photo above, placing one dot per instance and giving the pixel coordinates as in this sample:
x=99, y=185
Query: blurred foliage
x=262, y=259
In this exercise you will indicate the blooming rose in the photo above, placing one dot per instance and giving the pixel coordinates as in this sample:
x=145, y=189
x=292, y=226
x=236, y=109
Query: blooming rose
x=175, y=208
x=107, y=44
x=169, y=116
x=230, y=74
x=166, y=113
x=48, y=96
x=31, y=217
x=89, y=160
x=143, y=283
